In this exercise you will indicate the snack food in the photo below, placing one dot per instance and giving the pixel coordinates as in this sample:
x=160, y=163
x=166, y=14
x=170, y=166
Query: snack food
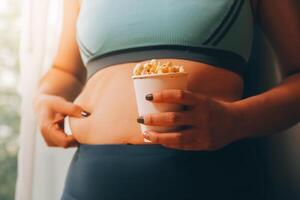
x=153, y=76
x=155, y=67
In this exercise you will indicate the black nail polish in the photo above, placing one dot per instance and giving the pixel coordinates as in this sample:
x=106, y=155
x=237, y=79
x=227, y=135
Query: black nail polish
x=149, y=97
x=140, y=119
x=84, y=114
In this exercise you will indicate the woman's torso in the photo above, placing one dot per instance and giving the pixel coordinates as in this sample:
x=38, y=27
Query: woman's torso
x=109, y=97
x=109, y=94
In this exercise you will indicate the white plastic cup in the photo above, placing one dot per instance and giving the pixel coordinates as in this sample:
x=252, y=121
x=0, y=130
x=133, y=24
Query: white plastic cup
x=146, y=84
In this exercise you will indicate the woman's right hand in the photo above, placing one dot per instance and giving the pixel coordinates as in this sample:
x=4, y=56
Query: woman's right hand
x=51, y=111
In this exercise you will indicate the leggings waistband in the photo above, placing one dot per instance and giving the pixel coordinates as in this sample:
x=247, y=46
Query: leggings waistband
x=157, y=149
x=133, y=149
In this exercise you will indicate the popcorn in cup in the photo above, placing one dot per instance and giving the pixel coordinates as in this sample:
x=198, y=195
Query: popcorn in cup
x=154, y=76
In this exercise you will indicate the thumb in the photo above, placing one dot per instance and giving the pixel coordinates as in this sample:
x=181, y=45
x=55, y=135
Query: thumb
x=69, y=108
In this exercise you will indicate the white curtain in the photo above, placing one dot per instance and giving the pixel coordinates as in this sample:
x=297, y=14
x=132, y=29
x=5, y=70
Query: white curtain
x=41, y=170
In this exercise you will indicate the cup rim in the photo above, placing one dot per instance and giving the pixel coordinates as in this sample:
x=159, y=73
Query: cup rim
x=159, y=75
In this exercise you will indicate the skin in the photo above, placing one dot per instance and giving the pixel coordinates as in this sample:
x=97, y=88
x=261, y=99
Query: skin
x=213, y=108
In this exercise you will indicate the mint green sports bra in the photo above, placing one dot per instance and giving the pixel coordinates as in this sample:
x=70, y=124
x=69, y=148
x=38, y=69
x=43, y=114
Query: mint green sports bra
x=216, y=32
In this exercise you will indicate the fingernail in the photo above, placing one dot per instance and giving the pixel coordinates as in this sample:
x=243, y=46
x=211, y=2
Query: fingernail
x=140, y=119
x=149, y=97
x=85, y=114
x=146, y=135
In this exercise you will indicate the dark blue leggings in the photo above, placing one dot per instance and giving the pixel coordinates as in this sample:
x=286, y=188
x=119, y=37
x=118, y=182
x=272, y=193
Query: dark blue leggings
x=151, y=171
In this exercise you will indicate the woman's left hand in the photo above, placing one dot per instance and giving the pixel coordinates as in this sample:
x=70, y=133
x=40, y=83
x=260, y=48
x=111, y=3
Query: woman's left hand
x=209, y=123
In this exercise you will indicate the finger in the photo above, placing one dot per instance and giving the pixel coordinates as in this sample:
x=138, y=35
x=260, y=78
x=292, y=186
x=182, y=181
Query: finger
x=59, y=119
x=68, y=108
x=49, y=142
x=184, y=97
x=176, y=139
x=167, y=118
x=45, y=129
x=60, y=138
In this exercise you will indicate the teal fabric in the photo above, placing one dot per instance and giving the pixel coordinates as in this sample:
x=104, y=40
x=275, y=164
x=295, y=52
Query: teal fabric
x=106, y=26
x=155, y=172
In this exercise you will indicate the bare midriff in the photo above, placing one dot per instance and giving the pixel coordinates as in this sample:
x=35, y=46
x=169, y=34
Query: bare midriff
x=110, y=98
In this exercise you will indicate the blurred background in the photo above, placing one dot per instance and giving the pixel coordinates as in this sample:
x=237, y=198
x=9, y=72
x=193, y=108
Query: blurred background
x=29, y=33
x=29, y=170
x=10, y=13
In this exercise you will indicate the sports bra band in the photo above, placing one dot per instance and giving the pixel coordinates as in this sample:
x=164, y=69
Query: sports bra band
x=219, y=58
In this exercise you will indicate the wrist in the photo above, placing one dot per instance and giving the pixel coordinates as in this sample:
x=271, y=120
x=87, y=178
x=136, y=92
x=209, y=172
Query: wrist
x=239, y=129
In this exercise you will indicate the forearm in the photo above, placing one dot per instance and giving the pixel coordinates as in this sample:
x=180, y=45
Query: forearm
x=60, y=83
x=270, y=112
